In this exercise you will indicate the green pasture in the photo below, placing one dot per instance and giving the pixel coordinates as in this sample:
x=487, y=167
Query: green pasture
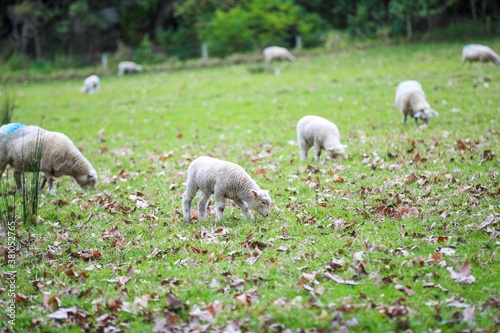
x=394, y=217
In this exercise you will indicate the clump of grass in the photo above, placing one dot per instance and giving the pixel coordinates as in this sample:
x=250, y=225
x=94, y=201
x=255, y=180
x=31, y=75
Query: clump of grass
x=7, y=109
x=8, y=196
x=31, y=180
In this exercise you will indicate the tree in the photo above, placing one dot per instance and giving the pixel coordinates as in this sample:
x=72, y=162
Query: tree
x=254, y=24
x=407, y=9
x=32, y=17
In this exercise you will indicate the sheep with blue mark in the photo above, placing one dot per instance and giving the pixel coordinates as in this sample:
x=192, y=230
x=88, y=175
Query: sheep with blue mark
x=32, y=148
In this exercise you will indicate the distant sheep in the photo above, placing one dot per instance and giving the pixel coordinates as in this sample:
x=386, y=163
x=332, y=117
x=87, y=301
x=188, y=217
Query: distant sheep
x=410, y=100
x=317, y=132
x=90, y=85
x=277, y=53
x=126, y=67
x=476, y=52
x=57, y=155
x=225, y=180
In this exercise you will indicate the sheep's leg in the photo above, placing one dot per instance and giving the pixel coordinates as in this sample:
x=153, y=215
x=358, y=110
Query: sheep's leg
x=202, y=205
x=220, y=204
x=52, y=190
x=187, y=198
x=416, y=121
x=244, y=208
x=19, y=183
x=304, y=150
x=2, y=169
x=43, y=181
x=404, y=118
x=317, y=151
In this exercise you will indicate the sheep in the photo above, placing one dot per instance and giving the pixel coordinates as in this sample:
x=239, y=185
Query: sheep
x=90, y=85
x=225, y=180
x=22, y=146
x=476, y=52
x=320, y=133
x=277, y=53
x=125, y=67
x=410, y=100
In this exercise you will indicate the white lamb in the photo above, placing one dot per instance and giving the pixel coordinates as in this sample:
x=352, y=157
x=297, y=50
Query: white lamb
x=21, y=146
x=225, y=180
x=125, y=67
x=476, y=52
x=90, y=85
x=320, y=133
x=410, y=100
x=277, y=53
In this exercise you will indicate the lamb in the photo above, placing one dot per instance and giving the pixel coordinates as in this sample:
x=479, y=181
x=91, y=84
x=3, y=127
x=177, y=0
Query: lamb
x=320, y=133
x=90, y=85
x=125, y=67
x=277, y=53
x=22, y=146
x=225, y=180
x=476, y=52
x=410, y=100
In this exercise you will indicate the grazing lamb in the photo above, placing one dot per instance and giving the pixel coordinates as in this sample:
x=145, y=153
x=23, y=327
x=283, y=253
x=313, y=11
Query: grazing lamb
x=277, y=53
x=58, y=156
x=320, y=133
x=90, y=85
x=125, y=67
x=410, y=100
x=225, y=180
x=476, y=52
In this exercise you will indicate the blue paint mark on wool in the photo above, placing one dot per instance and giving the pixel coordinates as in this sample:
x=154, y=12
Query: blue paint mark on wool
x=10, y=128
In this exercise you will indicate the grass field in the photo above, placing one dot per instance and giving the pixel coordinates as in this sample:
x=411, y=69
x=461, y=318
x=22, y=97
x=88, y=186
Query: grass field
x=364, y=243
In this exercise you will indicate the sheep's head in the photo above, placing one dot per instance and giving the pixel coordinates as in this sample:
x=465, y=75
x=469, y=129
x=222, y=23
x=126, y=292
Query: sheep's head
x=88, y=180
x=425, y=115
x=261, y=202
x=338, y=150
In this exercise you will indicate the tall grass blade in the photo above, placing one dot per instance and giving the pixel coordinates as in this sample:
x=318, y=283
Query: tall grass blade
x=7, y=109
x=30, y=178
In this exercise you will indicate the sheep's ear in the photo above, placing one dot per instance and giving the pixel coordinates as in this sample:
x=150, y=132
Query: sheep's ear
x=417, y=115
x=254, y=193
x=434, y=112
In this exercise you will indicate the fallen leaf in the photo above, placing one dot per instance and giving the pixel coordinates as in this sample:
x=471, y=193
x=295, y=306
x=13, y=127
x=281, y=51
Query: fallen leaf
x=407, y=290
x=463, y=275
x=340, y=280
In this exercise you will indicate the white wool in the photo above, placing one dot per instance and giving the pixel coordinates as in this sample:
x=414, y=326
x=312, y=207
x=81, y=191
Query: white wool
x=277, y=53
x=320, y=133
x=20, y=146
x=225, y=180
x=125, y=67
x=411, y=101
x=90, y=85
x=481, y=53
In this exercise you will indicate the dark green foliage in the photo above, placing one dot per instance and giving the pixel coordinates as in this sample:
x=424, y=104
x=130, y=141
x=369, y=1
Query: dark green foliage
x=63, y=34
x=258, y=23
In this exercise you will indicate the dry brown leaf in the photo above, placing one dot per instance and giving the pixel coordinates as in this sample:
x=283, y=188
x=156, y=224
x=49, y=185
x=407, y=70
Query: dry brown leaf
x=407, y=290
x=340, y=280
